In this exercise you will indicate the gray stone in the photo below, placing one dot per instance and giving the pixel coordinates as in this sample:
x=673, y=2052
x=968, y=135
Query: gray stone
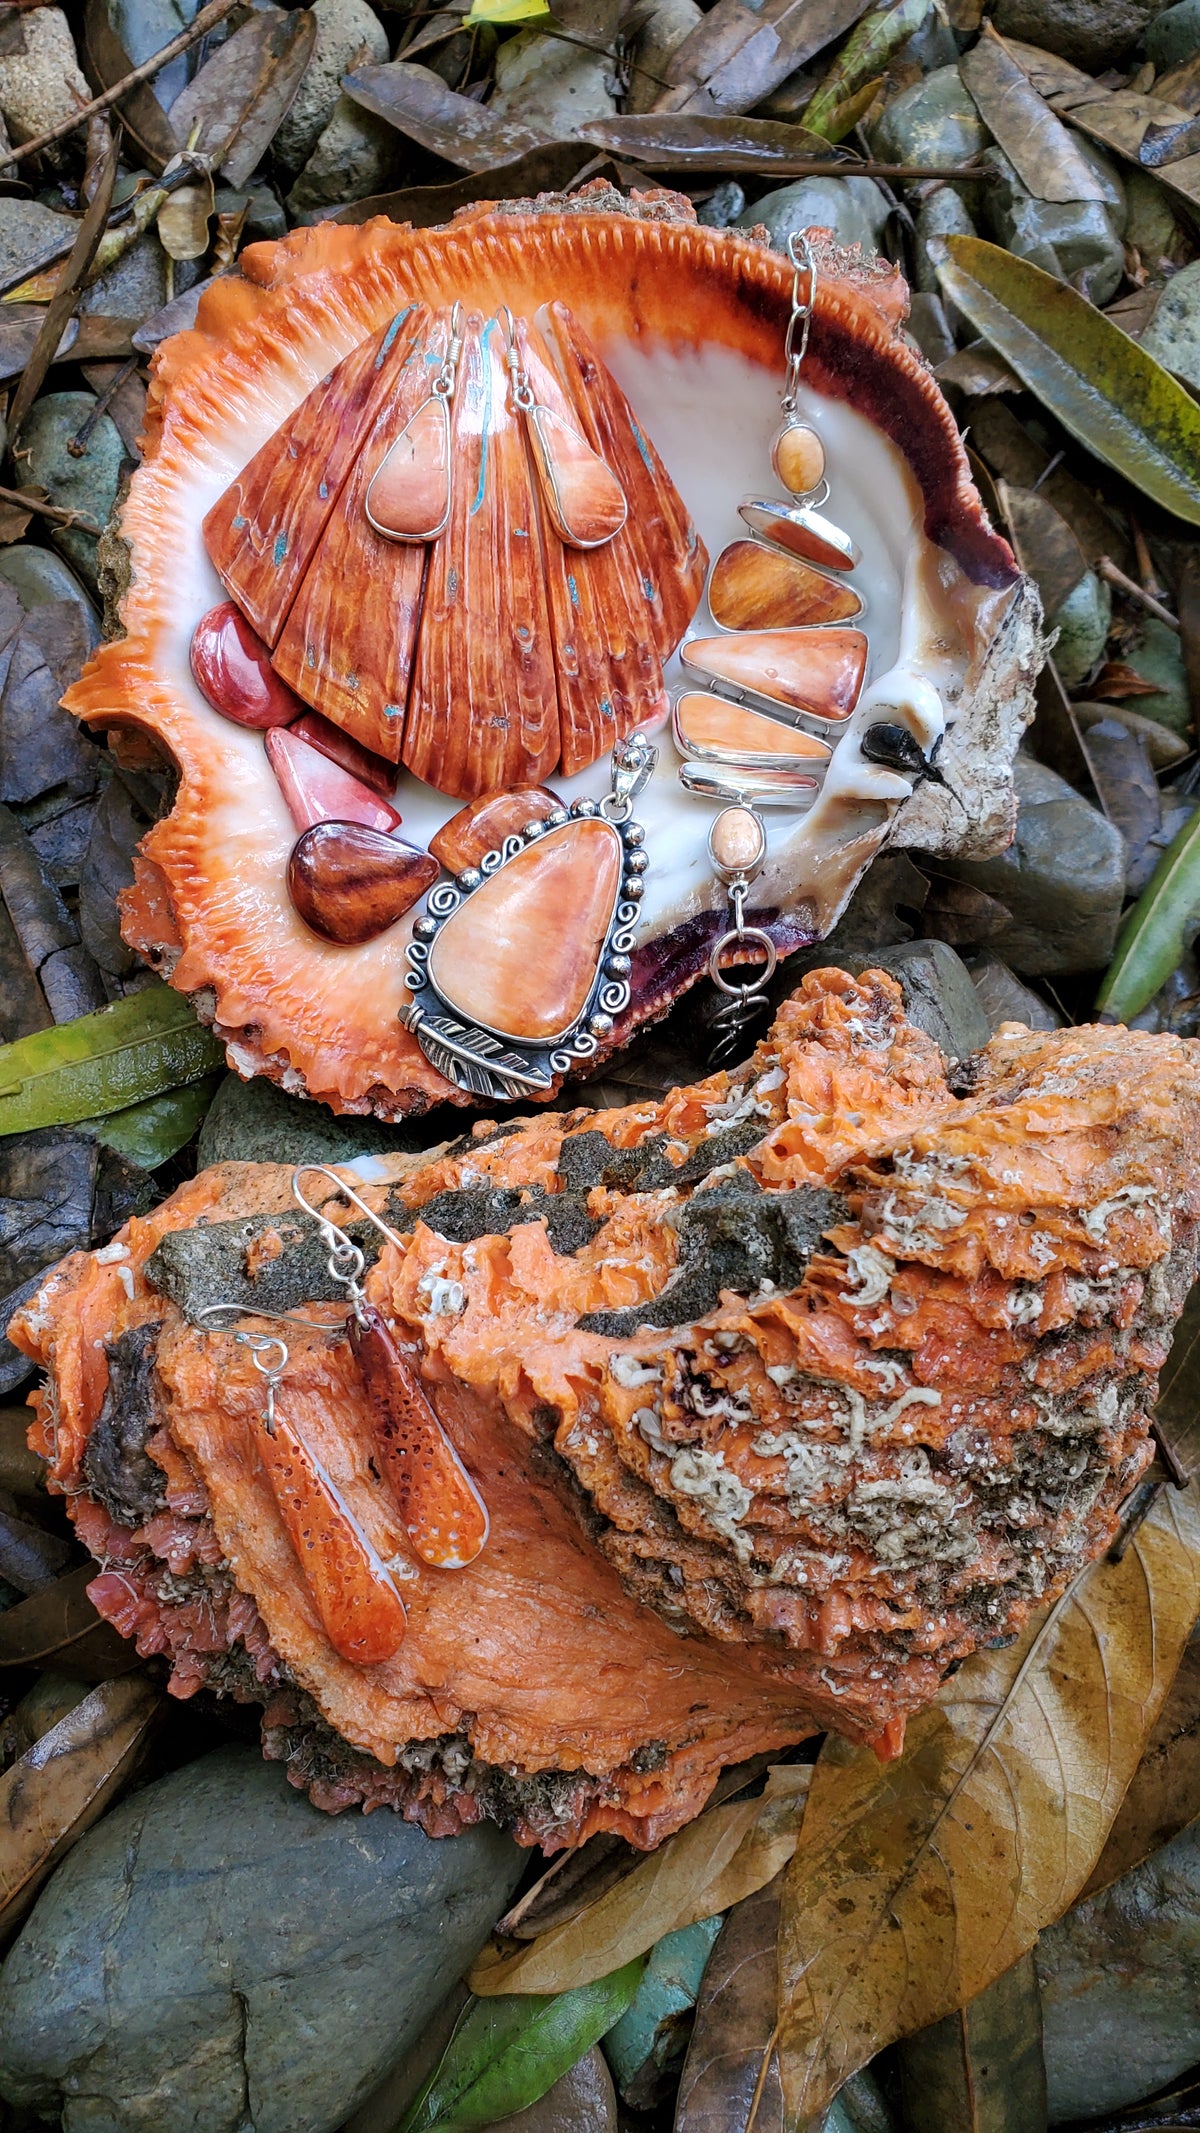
x=933, y=122
x=1156, y=653
x=1150, y=224
x=1003, y=998
x=265, y=218
x=1062, y=878
x=646, y=2048
x=1078, y=240
x=254, y=1122
x=724, y=205
x=40, y=577
x=137, y=285
x=27, y=229
x=217, y=1955
x=656, y=28
x=1083, y=622
x=930, y=328
x=938, y=994
x=1093, y=34
x=144, y=27
x=552, y=83
x=1120, y=1981
x=1163, y=747
x=853, y=208
x=1174, y=35
x=942, y=213
x=1173, y=335
x=349, y=33
x=88, y=483
x=354, y=157
x=41, y=86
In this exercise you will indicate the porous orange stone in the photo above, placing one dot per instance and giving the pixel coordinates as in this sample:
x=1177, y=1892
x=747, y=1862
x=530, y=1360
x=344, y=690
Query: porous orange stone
x=756, y=588
x=519, y=957
x=737, y=840
x=819, y=671
x=585, y=500
x=712, y=726
x=350, y=883
x=798, y=458
x=482, y=826
x=408, y=498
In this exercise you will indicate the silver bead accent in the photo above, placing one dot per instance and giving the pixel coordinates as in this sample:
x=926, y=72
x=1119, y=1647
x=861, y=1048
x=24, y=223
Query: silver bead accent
x=634, y=835
x=637, y=862
x=601, y=1025
x=580, y=808
x=470, y=878
x=618, y=966
x=425, y=929
x=532, y=830
x=633, y=889
x=556, y=820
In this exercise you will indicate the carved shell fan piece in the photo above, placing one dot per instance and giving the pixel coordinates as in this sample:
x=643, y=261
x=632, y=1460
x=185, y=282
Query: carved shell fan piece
x=419, y=559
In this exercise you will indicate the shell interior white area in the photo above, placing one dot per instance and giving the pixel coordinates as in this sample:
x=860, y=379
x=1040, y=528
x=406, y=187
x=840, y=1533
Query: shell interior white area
x=712, y=415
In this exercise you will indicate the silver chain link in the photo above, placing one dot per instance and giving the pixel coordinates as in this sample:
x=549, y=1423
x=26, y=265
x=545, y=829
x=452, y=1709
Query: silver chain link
x=795, y=345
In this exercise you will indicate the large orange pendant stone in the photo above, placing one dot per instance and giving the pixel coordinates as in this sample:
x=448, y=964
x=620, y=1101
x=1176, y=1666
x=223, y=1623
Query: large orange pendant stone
x=585, y=500
x=813, y=670
x=519, y=956
x=712, y=726
x=756, y=588
x=409, y=497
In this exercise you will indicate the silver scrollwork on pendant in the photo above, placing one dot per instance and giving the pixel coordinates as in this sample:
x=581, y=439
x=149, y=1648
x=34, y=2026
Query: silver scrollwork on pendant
x=458, y=1011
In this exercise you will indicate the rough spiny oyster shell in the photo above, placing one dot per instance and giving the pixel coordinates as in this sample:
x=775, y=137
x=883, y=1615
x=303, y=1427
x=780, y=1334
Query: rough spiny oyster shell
x=691, y=323
x=824, y=1370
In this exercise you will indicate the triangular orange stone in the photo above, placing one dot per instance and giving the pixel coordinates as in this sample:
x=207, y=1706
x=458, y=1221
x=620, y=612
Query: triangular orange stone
x=815, y=670
x=519, y=956
x=753, y=587
x=711, y=726
x=409, y=496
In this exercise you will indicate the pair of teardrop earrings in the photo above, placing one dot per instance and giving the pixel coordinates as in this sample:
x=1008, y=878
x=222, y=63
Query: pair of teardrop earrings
x=354, y=1589
x=409, y=496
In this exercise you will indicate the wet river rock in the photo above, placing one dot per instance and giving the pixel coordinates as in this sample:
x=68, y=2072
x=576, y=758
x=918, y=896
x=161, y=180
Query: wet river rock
x=218, y=1957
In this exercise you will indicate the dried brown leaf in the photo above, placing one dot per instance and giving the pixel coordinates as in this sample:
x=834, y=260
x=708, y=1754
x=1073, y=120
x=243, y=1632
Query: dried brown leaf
x=1164, y=1796
x=417, y=102
x=1181, y=86
x=1045, y=545
x=980, y=2070
x=679, y=141
x=64, y=1783
x=744, y=48
x=1119, y=118
x=183, y=219
x=141, y=113
x=1050, y=75
x=724, y=1856
x=22, y=1473
x=916, y=1883
x=61, y=1627
x=735, y=2026
x=1037, y=144
x=558, y=168
x=241, y=97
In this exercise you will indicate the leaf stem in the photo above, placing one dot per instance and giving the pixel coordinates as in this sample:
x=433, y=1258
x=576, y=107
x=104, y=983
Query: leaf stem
x=81, y=519
x=1114, y=575
x=206, y=20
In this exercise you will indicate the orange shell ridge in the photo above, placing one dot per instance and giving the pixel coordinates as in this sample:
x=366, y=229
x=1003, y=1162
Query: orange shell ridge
x=211, y=907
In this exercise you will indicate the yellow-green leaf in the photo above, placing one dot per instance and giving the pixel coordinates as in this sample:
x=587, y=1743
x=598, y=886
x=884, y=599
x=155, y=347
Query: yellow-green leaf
x=915, y=1883
x=508, y=11
x=506, y=2053
x=727, y=1854
x=1157, y=930
x=865, y=53
x=1102, y=387
x=101, y=1063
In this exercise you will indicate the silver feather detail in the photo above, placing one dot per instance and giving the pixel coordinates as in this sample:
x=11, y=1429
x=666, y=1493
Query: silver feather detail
x=472, y=1059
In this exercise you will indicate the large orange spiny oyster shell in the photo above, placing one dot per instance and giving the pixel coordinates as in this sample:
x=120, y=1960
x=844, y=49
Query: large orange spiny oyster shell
x=691, y=323
x=784, y=1394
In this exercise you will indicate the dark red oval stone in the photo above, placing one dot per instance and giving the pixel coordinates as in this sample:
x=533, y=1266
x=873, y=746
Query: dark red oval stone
x=233, y=669
x=349, y=883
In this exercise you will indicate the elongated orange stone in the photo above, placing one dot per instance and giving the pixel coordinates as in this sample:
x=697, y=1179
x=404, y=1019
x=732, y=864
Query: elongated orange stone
x=815, y=670
x=803, y=531
x=408, y=499
x=440, y=1507
x=754, y=588
x=714, y=727
x=361, y=1611
x=482, y=826
x=583, y=496
x=520, y=955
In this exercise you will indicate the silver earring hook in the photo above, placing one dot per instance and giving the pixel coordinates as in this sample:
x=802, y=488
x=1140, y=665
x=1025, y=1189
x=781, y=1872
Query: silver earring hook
x=230, y=1313
x=340, y=1245
x=260, y=1346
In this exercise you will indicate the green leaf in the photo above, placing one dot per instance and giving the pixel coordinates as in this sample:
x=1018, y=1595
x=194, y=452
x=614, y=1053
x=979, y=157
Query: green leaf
x=508, y=11
x=1157, y=930
x=864, y=55
x=1102, y=387
x=150, y=1133
x=106, y=1062
x=507, y=2051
